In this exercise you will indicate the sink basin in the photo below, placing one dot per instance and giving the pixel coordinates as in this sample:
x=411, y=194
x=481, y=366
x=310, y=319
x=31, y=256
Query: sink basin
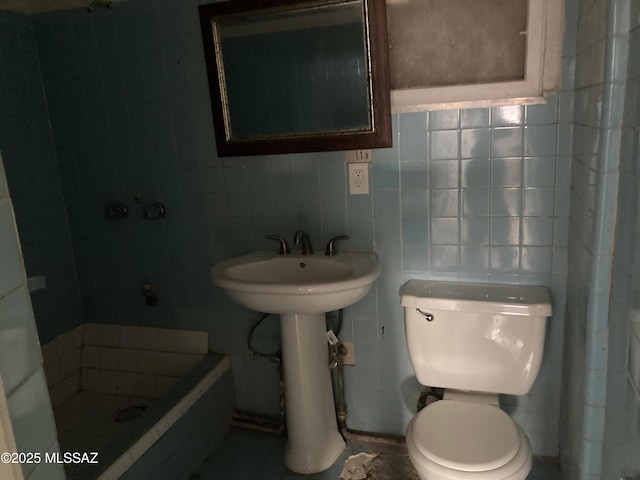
x=272, y=283
x=301, y=289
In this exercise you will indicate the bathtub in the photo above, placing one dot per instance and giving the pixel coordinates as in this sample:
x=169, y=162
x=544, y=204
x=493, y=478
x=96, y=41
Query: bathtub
x=137, y=405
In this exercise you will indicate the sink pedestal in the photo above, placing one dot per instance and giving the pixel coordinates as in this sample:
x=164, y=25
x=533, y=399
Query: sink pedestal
x=314, y=442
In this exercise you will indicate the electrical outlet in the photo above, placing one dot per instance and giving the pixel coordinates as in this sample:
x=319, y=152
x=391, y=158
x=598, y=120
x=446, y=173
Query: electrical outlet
x=358, y=156
x=358, y=178
x=350, y=357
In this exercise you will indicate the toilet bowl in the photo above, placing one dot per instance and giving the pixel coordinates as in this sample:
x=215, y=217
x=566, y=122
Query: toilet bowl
x=456, y=440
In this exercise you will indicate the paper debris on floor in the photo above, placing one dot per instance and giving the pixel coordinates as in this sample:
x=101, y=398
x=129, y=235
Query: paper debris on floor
x=357, y=466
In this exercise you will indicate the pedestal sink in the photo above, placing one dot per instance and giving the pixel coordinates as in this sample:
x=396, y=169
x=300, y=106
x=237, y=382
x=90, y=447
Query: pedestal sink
x=301, y=289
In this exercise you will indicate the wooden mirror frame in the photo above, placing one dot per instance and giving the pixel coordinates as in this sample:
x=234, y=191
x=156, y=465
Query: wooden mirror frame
x=379, y=135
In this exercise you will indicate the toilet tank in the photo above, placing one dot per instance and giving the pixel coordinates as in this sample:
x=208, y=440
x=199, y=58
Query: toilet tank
x=477, y=337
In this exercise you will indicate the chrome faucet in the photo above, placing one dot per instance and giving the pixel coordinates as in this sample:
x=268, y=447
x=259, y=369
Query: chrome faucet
x=331, y=247
x=302, y=237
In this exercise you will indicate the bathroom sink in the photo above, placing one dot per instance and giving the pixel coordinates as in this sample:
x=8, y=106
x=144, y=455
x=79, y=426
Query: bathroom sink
x=301, y=289
x=272, y=283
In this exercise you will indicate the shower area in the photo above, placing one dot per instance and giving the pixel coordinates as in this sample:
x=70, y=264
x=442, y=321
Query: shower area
x=122, y=306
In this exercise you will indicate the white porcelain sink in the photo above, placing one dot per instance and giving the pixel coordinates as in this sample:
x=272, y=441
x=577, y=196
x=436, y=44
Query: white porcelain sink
x=272, y=283
x=301, y=289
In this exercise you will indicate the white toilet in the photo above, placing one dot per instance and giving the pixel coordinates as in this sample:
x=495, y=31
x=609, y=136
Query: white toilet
x=475, y=341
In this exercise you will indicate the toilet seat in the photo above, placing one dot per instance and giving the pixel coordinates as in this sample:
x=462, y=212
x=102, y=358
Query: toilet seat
x=466, y=436
x=461, y=440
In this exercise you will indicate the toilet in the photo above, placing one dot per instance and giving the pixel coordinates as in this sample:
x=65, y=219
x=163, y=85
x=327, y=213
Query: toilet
x=475, y=341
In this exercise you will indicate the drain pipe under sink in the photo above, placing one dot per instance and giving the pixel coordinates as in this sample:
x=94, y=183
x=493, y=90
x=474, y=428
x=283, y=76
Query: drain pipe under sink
x=337, y=377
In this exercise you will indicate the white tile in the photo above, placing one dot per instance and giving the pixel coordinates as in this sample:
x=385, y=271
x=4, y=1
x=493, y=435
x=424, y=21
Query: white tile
x=149, y=339
x=130, y=337
x=53, y=374
x=128, y=360
x=148, y=361
x=92, y=334
x=187, y=341
x=69, y=363
x=127, y=383
x=111, y=335
x=57, y=394
x=90, y=379
x=167, y=340
x=70, y=386
x=107, y=381
x=49, y=354
x=167, y=363
x=109, y=358
x=91, y=356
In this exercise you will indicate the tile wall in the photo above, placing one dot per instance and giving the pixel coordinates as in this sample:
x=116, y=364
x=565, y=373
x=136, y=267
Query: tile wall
x=622, y=425
x=31, y=164
x=20, y=361
x=480, y=195
x=127, y=360
x=600, y=404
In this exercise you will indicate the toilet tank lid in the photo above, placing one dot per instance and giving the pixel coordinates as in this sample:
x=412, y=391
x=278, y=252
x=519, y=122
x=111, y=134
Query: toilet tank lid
x=525, y=300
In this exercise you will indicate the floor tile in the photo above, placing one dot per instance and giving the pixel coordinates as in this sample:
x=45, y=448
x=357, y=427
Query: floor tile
x=250, y=455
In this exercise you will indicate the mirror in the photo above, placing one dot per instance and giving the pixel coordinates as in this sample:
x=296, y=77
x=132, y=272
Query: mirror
x=288, y=76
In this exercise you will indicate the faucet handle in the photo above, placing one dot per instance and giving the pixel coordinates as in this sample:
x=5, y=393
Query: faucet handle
x=331, y=249
x=284, y=248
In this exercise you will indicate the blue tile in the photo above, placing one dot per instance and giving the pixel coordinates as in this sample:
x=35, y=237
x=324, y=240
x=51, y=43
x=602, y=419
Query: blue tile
x=443, y=145
x=475, y=117
x=474, y=259
x=537, y=231
x=444, y=258
x=505, y=231
x=414, y=175
x=540, y=140
x=543, y=113
x=474, y=231
x=475, y=143
x=506, y=172
x=536, y=259
x=506, y=202
x=386, y=175
x=413, y=146
x=509, y=115
x=507, y=142
x=413, y=122
x=475, y=202
x=444, y=174
x=414, y=203
x=415, y=230
x=444, y=203
x=538, y=202
x=443, y=119
x=539, y=171
x=504, y=258
x=444, y=231
x=475, y=173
